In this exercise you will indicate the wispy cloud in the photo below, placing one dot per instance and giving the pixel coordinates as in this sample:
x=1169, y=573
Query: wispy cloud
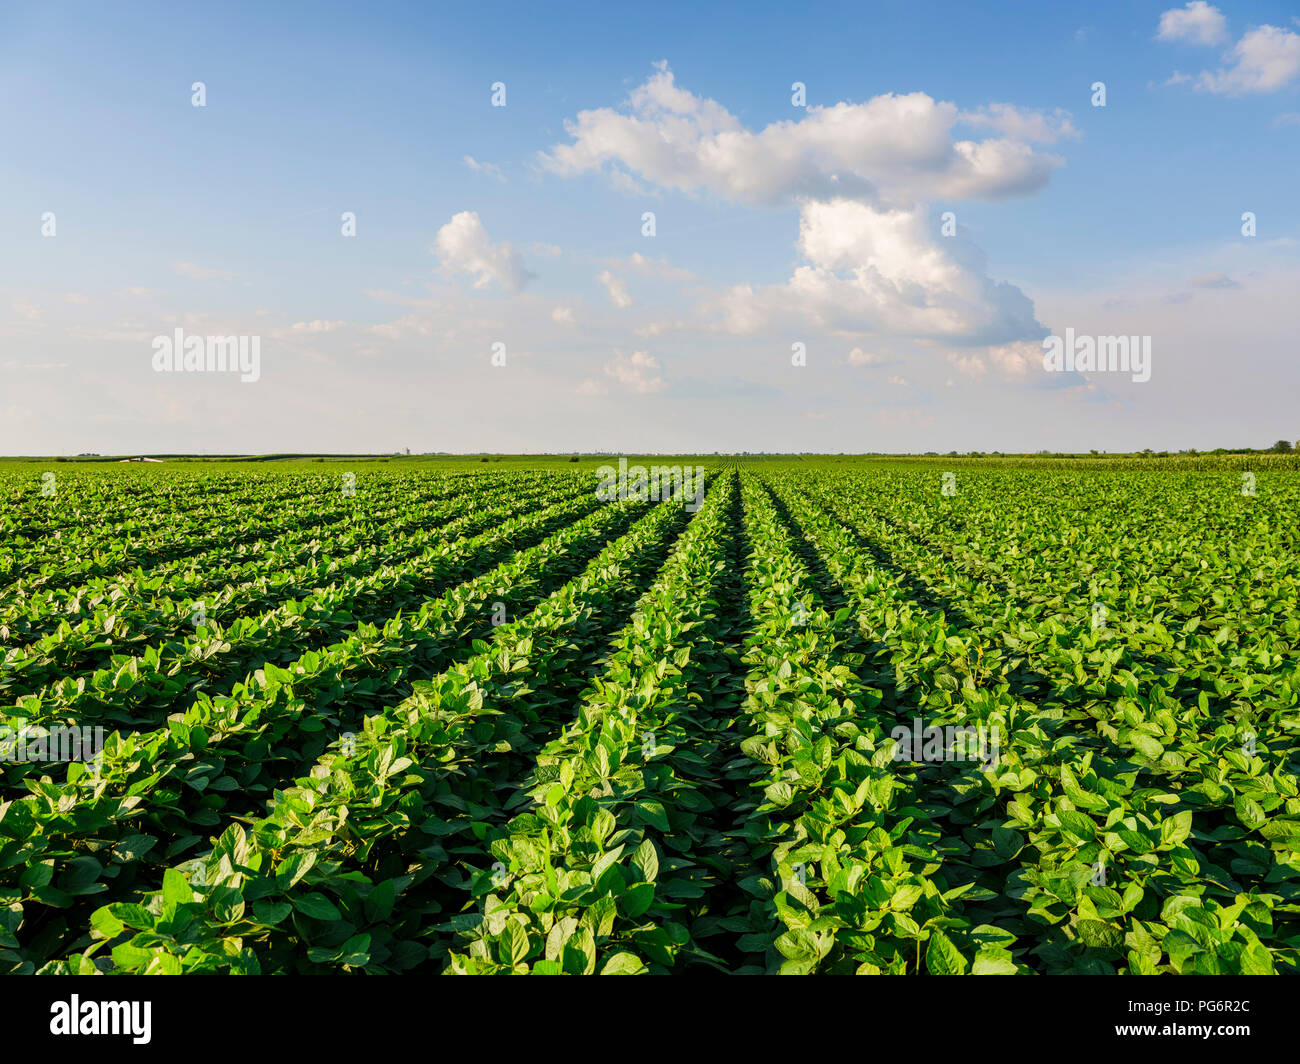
x=615, y=288
x=648, y=267
x=859, y=357
x=34, y=367
x=201, y=273
x=1021, y=124
x=1214, y=280
x=318, y=326
x=489, y=169
x=638, y=372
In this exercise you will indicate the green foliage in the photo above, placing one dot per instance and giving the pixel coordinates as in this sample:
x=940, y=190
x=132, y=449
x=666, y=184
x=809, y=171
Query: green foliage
x=478, y=721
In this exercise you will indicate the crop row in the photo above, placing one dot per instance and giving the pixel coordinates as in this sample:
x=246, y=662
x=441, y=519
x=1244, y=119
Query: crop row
x=315, y=882
x=1116, y=874
x=176, y=651
x=212, y=541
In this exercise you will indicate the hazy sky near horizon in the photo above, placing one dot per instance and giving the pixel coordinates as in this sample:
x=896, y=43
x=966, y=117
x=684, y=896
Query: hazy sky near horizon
x=944, y=195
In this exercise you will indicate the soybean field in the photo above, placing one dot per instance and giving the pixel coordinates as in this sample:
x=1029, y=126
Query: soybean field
x=825, y=717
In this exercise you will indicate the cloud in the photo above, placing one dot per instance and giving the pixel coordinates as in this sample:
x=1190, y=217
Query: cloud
x=615, y=288
x=637, y=372
x=648, y=267
x=201, y=273
x=407, y=326
x=34, y=367
x=1197, y=23
x=562, y=316
x=856, y=173
x=890, y=149
x=26, y=310
x=463, y=246
x=491, y=169
x=969, y=365
x=902, y=382
x=1214, y=280
x=136, y=290
x=858, y=357
x=874, y=271
x=1289, y=118
x=1265, y=59
x=658, y=328
x=1021, y=124
x=1016, y=361
x=317, y=326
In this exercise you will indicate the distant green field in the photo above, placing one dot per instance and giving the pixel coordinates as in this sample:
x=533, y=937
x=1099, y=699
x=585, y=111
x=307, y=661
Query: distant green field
x=825, y=715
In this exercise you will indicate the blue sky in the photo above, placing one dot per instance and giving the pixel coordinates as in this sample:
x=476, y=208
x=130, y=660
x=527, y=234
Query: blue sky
x=521, y=225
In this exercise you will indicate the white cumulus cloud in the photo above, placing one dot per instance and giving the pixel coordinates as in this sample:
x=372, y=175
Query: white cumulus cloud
x=1197, y=23
x=884, y=271
x=892, y=147
x=464, y=246
x=1016, y=361
x=1264, y=60
x=858, y=174
x=1013, y=362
